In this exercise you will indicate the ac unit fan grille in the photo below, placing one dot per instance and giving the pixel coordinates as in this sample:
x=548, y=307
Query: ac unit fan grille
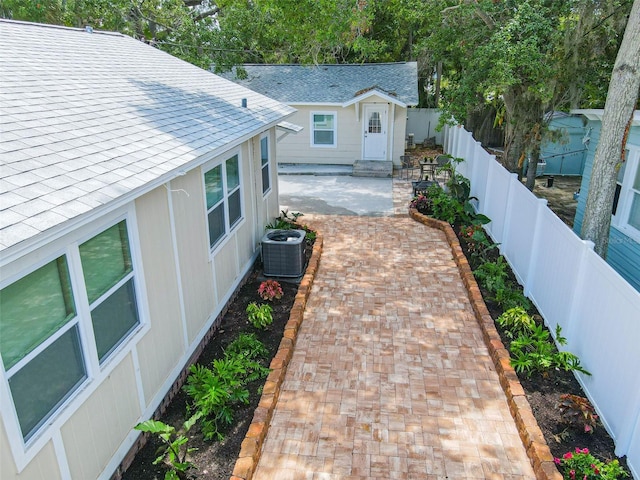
x=283, y=253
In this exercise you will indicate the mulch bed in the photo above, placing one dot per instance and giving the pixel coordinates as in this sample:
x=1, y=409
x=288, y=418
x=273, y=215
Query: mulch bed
x=543, y=394
x=216, y=460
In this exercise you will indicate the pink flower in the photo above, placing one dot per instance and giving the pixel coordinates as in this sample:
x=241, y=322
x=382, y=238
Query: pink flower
x=572, y=473
x=557, y=460
x=567, y=455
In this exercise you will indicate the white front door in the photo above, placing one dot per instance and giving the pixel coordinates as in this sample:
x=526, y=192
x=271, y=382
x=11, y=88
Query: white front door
x=375, y=132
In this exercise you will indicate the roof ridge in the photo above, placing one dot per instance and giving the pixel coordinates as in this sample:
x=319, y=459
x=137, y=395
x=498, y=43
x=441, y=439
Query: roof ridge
x=325, y=64
x=62, y=27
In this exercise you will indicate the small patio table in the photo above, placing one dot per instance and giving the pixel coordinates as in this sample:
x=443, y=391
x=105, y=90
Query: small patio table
x=428, y=167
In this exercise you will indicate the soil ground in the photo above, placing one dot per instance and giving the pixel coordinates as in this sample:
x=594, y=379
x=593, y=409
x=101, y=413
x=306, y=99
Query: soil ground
x=216, y=460
x=543, y=393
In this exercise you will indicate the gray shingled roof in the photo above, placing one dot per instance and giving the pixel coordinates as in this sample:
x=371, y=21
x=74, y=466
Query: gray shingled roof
x=331, y=83
x=87, y=119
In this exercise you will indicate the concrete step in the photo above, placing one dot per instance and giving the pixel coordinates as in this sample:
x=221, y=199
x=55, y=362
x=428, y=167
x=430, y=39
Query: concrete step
x=372, y=168
x=313, y=169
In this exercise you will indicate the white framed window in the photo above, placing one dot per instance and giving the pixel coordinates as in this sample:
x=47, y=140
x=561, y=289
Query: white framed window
x=324, y=131
x=63, y=320
x=265, y=164
x=626, y=204
x=223, y=193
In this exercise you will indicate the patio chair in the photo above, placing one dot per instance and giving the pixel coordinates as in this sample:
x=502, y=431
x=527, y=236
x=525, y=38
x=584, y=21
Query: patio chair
x=407, y=166
x=443, y=161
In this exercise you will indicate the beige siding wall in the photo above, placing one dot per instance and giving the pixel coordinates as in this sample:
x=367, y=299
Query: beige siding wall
x=43, y=467
x=296, y=148
x=97, y=427
x=96, y=430
x=163, y=345
x=399, y=133
x=225, y=267
x=193, y=249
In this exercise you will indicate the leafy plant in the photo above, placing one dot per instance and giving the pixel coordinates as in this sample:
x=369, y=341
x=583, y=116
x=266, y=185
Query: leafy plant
x=478, y=243
x=260, y=316
x=174, y=450
x=534, y=351
x=247, y=344
x=270, y=290
x=422, y=203
x=511, y=296
x=492, y=275
x=286, y=221
x=215, y=391
x=582, y=465
x=516, y=321
x=577, y=411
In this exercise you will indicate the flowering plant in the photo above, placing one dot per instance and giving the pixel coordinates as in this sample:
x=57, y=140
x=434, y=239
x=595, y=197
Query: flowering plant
x=422, y=203
x=581, y=465
x=270, y=289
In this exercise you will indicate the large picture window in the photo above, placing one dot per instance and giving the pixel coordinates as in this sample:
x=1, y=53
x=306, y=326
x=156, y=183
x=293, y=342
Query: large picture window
x=40, y=342
x=264, y=162
x=323, y=129
x=224, y=198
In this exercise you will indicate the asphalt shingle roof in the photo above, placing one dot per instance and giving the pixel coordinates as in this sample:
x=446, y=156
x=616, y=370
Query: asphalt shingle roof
x=87, y=118
x=331, y=83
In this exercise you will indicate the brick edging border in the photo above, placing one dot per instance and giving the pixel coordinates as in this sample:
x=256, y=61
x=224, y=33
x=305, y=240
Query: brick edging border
x=534, y=443
x=251, y=447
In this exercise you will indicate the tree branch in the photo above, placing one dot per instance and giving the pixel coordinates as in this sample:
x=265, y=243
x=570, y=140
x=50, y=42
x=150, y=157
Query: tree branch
x=481, y=13
x=206, y=14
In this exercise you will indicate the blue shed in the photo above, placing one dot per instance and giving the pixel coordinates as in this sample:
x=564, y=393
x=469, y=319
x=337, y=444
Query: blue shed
x=567, y=154
x=624, y=238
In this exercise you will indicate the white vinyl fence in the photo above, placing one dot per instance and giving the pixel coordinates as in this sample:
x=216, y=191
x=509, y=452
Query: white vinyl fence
x=599, y=312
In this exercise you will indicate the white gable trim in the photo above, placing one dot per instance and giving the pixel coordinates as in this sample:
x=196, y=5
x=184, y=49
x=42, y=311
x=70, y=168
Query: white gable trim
x=375, y=92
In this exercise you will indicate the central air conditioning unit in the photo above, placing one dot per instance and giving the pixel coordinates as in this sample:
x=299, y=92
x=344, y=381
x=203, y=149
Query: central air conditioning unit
x=283, y=253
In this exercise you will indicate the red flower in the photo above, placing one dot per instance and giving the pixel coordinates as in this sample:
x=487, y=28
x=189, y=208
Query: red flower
x=567, y=455
x=572, y=473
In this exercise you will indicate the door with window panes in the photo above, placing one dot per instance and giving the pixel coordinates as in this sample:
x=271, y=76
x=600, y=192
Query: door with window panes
x=375, y=132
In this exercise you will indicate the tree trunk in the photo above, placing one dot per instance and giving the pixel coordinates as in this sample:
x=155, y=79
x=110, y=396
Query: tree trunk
x=621, y=101
x=534, y=158
x=523, y=124
x=438, y=80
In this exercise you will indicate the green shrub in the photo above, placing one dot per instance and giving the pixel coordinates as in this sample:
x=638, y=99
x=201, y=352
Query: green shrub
x=515, y=322
x=534, y=352
x=492, y=275
x=174, y=450
x=214, y=392
x=511, y=296
x=247, y=345
x=260, y=316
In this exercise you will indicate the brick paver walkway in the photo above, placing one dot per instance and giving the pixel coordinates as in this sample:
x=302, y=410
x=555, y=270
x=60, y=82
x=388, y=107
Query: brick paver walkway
x=390, y=377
